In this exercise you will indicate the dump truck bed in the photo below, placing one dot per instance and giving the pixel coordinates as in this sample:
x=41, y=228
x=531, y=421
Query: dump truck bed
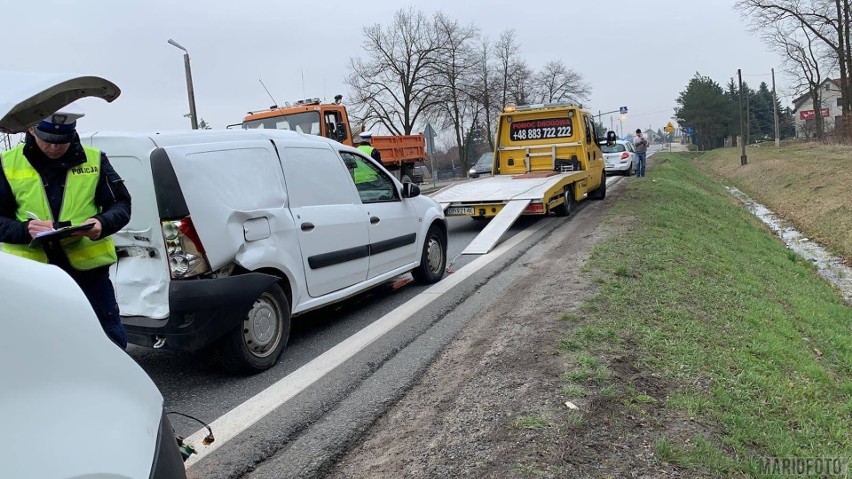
x=400, y=149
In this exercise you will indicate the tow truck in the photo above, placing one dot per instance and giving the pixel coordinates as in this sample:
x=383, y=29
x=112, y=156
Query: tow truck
x=400, y=153
x=546, y=159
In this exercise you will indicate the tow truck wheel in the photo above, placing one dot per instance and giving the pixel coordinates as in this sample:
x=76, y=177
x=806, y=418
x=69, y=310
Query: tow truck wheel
x=600, y=192
x=433, y=260
x=257, y=343
x=565, y=208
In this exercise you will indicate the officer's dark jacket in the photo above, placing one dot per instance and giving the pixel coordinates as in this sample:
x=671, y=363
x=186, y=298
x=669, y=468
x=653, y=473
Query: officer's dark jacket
x=111, y=196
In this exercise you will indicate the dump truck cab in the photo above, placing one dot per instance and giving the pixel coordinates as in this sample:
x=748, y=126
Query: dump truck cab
x=309, y=116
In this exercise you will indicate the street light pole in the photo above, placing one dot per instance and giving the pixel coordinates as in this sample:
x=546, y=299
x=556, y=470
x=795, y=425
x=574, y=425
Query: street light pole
x=189, y=90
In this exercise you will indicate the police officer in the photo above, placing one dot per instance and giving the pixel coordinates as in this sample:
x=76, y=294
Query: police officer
x=52, y=181
x=365, y=140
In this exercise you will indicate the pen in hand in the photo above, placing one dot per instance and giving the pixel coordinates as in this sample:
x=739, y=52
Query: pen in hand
x=36, y=225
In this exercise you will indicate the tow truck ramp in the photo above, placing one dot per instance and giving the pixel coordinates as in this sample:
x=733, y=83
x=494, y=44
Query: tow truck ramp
x=494, y=230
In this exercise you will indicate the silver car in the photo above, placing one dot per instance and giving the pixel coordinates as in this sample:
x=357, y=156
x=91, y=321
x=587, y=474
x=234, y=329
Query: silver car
x=620, y=158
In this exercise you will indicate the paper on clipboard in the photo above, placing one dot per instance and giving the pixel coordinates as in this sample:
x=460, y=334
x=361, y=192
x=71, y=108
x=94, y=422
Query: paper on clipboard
x=61, y=233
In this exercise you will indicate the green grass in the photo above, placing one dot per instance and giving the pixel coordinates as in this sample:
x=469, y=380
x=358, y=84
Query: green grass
x=803, y=182
x=708, y=292
x=532, y=422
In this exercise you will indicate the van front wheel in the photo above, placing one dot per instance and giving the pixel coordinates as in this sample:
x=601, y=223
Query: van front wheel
x=257, y=343
x=433, y=259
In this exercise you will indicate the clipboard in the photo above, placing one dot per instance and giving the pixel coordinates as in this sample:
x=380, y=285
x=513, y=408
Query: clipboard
x=60, y=233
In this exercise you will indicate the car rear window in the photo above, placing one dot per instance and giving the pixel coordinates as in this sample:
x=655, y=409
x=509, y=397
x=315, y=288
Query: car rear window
x=617, y=148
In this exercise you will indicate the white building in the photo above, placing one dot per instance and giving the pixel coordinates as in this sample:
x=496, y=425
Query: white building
x=805, y=115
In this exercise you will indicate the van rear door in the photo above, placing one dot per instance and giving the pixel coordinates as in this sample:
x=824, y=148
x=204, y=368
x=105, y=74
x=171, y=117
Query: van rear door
x=141, y=276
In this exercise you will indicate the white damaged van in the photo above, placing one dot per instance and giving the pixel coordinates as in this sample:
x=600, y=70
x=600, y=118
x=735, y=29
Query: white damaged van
x=234, y=232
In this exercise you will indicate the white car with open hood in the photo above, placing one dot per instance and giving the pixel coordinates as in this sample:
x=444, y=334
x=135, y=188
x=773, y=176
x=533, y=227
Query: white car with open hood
x=233, y=232
x=72, y=404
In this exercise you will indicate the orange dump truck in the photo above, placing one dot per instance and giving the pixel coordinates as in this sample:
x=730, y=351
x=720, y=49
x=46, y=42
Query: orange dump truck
x=400, y=153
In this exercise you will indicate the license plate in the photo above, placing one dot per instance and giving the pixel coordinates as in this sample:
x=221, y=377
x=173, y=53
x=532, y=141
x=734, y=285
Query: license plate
x=460, y=210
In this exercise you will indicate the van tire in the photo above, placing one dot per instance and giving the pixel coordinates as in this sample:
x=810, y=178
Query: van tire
x=433, y=259
x=568, y=205
x=246, y=348
x=600, y=192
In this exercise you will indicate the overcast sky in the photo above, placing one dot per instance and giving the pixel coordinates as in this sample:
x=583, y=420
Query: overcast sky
x=634, y=54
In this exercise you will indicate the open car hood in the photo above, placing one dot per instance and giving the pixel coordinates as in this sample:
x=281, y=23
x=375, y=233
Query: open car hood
x=27, y=98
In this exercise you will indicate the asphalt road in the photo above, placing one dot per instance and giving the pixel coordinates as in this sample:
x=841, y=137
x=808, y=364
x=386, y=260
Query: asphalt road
x=196, y=386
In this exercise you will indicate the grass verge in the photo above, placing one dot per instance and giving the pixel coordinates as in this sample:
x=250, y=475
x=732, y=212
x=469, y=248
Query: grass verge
x=750, y=338
x=806, y=183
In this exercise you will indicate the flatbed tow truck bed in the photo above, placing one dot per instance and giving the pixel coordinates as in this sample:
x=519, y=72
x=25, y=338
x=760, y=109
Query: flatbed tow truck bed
x=503, y=198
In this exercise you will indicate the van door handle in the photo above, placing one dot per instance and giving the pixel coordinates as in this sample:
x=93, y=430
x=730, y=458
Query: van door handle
x=374, y=220
x=307, y=226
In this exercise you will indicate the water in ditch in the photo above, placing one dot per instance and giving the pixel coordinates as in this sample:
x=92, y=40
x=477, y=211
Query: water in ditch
x=829, y=266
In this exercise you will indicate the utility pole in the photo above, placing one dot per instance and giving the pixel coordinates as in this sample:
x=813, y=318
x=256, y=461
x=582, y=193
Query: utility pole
x=775, y=111
x=743, y=157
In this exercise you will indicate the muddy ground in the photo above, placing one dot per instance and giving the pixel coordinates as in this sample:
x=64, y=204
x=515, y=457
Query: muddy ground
x=493, y=403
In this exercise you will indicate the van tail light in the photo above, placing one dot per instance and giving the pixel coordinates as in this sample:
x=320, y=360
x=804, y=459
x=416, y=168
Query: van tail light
x=184, y=249
x=625, y=156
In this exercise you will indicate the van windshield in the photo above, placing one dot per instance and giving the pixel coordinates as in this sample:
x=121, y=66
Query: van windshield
x=304, y=122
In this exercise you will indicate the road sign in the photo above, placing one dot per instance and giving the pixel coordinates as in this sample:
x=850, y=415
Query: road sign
x=623, y=110
x=669, y=128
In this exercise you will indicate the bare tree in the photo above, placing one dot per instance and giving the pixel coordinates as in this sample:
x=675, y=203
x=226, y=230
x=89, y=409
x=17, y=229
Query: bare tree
x=804, y=61
x=508, y=58
x=455, y=70
x=395, y=85
x=556, y=83
x=827, y=20
x=520, y=82
x=483, y=89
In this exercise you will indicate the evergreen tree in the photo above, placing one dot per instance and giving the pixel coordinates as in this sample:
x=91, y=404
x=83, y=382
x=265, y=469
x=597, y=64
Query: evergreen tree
x=704, y=107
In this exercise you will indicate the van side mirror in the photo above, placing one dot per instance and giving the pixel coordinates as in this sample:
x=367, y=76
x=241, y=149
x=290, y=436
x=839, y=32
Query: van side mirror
x=410, y=190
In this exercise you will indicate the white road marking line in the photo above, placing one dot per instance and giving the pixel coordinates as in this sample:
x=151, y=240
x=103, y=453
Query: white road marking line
x=237, y=420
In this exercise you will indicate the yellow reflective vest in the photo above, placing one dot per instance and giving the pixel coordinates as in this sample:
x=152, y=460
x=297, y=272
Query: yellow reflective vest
x=363, y=173
x=78, y=205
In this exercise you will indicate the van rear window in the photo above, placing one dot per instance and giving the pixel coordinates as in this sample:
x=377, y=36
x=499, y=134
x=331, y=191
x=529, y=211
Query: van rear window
x=544, y=129
x=617, y=148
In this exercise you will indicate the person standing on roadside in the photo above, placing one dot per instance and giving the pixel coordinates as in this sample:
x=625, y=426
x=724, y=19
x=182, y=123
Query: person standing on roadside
x=640, y=144
x=52, y=181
